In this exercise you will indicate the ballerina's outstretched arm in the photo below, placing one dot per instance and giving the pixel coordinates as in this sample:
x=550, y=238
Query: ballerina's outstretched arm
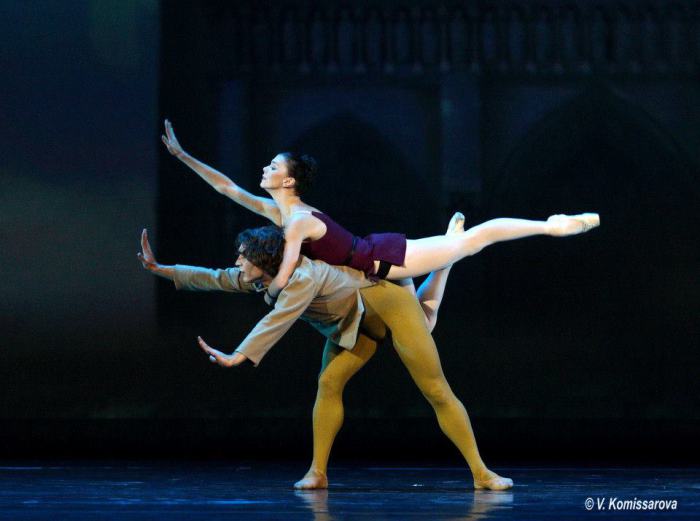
x=261, y=205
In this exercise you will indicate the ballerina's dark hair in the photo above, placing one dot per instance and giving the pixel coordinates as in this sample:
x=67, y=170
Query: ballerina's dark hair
x=263, y=246
x=302, y=168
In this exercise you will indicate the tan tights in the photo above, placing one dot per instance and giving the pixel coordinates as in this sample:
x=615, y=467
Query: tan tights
x=388, y=307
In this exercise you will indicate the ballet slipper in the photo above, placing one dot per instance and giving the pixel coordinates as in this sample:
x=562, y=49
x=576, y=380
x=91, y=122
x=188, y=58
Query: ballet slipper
x=492, y=481
x=456, y=224
x=314, y=479
x=562, y=225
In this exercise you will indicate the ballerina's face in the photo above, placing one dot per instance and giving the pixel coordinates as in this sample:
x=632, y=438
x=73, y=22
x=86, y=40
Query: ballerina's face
x=276, y=175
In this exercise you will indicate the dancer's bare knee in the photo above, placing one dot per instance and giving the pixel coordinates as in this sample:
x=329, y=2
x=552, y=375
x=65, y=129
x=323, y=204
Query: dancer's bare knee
x=474, y=240
x=430, y=321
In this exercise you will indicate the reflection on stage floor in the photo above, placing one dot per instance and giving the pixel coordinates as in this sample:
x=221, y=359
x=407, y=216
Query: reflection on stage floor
x=210, y=490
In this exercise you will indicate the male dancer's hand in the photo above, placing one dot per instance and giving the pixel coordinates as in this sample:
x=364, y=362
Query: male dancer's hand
x=146, y=254
x=222, y=359
x=171, y=141
x=148, y=260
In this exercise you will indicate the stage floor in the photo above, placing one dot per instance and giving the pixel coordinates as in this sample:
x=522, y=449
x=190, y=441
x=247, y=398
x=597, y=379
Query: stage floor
x=209, y=490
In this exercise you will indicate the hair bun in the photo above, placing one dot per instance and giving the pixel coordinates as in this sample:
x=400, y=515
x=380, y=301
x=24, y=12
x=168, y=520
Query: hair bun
x=309, y=163
x=302, y=168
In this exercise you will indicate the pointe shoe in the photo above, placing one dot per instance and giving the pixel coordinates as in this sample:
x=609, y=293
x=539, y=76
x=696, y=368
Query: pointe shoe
x=495, y=483
x=456, y=224
x=313, y=480
x=561, y=225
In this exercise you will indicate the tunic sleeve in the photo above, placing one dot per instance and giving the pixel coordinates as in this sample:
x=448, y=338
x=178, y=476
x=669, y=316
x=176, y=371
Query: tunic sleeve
x=203, y=279
x=291, y=304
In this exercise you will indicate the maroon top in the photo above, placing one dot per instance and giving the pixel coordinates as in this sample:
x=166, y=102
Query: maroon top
x=336, y=247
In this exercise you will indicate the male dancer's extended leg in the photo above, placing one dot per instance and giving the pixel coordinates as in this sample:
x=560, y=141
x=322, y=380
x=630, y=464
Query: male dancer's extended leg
x=416, y=348
x=338, y=366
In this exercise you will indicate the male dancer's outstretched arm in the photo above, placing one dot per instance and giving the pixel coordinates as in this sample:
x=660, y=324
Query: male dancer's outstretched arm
x=148, y=260
x=291, y=304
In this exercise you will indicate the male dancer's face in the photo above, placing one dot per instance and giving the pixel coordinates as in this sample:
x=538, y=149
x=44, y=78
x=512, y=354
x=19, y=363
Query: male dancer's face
x=249, y=271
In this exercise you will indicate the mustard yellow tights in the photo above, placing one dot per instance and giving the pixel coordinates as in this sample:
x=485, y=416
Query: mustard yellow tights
x=388, y=307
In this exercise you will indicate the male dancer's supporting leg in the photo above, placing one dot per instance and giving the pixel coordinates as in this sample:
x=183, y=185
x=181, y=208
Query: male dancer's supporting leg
x=415, y=346
x=338, y=366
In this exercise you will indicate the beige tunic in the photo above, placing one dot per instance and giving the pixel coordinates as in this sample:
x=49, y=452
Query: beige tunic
x=325, y=296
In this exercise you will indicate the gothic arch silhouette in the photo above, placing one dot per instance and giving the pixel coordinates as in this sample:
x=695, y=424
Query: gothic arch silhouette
x=629, y=279
x=598, y=116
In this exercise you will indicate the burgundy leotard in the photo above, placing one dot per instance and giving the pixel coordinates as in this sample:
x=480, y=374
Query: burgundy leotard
x=338, y=246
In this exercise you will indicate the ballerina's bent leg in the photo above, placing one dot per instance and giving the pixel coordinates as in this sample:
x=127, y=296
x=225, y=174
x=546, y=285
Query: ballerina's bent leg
x=432, y=289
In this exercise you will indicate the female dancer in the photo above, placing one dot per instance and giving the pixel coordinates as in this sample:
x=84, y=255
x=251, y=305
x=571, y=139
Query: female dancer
x=386, y=255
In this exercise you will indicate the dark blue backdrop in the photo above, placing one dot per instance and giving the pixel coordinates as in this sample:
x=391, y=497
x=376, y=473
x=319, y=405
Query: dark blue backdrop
x=414, y=111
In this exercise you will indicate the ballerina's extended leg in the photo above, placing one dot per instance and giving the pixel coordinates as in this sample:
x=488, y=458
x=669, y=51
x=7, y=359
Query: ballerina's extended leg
x=434, y=253
x=563, y=225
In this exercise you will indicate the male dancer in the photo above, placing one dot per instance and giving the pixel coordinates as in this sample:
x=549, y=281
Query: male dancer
x=353, y=313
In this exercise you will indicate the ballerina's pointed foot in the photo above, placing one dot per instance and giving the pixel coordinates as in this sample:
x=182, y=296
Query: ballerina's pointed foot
x=313, y=479
x=456, y=224
x=492, y=481
x=563, y=225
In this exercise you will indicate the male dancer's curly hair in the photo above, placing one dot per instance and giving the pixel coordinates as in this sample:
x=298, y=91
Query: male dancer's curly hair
x=263, y=246
x=302, y=168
